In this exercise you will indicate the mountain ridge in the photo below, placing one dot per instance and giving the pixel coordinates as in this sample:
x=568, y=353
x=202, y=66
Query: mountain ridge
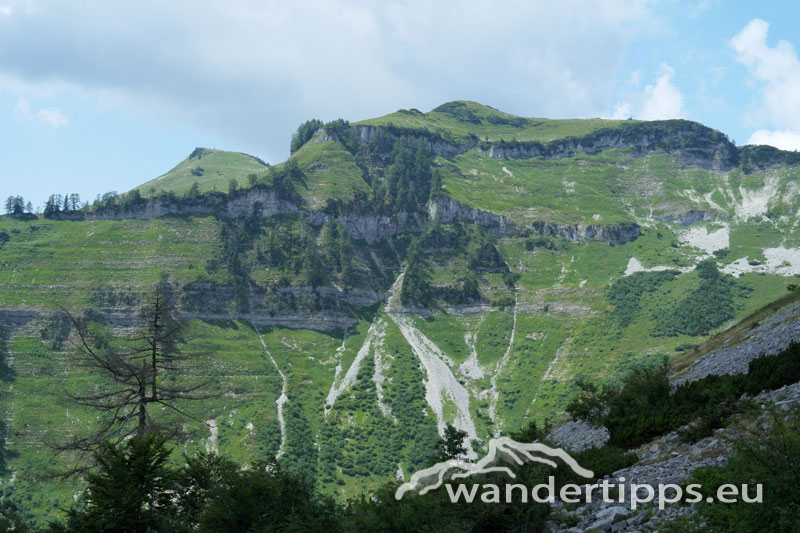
x=516, y=267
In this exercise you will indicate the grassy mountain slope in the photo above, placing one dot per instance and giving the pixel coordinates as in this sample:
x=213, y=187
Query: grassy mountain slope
x=389, y=321
x=210, y=169
x=330, y=173
x=462, y=118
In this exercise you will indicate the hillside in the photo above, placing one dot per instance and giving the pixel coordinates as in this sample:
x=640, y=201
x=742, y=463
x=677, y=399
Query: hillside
x=210, y=169
x=465, y=118
x=460, y=266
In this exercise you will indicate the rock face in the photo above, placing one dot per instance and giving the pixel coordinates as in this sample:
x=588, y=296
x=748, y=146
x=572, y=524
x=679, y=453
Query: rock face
x=435, y=143
x=317, y=308
x=687, y=218
x=369, y=227
x=258, y=201
x=11, y=320
x=577, y=435
x=695, y=146
x=769, y=337
x=449, y=210
x=611, y=234
x=669, y=460
x=372, y=228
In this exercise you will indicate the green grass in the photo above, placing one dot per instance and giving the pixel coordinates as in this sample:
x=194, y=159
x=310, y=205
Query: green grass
x=533, y=129
x=569, y=190
x=227, y=355
x=330, y=173
x=51, y=263
x=211, y=169
x=565, y=324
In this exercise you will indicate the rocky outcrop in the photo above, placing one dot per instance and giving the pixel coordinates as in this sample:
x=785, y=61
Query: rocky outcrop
x=669, y=459
x=369, y=227
x=694, y=144
x=767, y=338
x=434, y=142
x=258, y=201
x=372, y=228
x=687, y=218
x=153, y=209
x=299, y=307
x=11, y=319
x=577, y=435
x=611, y=234
x=664, y=461
x=449, y=211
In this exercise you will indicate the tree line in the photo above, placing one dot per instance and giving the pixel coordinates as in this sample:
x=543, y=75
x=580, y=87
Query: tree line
x=17, y=206
x=55, y=204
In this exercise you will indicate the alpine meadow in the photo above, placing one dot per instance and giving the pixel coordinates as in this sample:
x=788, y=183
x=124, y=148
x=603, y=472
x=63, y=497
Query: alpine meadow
x=397, y=283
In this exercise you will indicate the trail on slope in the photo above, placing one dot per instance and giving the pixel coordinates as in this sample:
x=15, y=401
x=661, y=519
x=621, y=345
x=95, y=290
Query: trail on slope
x=441, y=383
x=283, y=398
x=494, y=394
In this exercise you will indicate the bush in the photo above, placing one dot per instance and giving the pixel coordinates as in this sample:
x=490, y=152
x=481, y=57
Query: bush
x=626, y=292
x=705, y=308
x=643, y=406
x=605, y=460
x=303, y=134
x=767, y=457
x=458, y=111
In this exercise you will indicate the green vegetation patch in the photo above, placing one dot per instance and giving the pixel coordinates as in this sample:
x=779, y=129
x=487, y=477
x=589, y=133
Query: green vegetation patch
x=211, y=169
x=463, y=118
x=626, y=293
x=706, y=307
x=331, y=174
x=644, y=406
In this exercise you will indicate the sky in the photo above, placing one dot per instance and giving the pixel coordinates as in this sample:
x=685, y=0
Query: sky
x=99, y=96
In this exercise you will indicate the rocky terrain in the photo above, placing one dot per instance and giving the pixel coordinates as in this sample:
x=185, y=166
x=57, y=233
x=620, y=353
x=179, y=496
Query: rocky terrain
x=669, y=460
x=393, y=276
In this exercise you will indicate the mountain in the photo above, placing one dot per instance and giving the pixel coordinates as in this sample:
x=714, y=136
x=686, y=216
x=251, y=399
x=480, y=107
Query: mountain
x=210, y=169
x=461, y=266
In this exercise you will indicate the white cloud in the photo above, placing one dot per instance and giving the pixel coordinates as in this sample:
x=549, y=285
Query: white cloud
x=783, y=139
x=622, y=111
x=662, y=100
x=659, y=101
x=249, y=71
x=52, y=117
x=49, y=118
x=778, y=71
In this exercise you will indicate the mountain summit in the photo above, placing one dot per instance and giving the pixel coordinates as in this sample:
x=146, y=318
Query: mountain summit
x=393, y=276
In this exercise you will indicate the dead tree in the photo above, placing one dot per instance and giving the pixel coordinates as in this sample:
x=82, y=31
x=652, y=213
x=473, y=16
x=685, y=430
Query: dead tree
x=135, y=371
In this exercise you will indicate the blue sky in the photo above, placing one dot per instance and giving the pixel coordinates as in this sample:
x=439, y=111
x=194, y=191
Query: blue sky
x=99, y=96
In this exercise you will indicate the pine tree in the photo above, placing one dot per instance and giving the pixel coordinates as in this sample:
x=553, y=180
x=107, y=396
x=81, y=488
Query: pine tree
x=139, y=374
x=131, y=490
x=451, y=446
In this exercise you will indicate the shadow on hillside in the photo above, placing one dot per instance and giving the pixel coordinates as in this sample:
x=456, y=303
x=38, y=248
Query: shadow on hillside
x=6, y=372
